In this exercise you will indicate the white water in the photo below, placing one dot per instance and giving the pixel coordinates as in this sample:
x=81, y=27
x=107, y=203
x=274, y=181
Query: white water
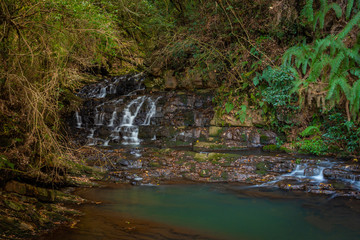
x=78, y=120
x=99, y=118
x=129, y=131
x=113, y=121
x=151, y=112
x=304, y=172
x=113, y=118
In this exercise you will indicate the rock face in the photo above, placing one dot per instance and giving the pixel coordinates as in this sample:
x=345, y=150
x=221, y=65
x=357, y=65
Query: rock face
x=119, y=111
x=27, y=210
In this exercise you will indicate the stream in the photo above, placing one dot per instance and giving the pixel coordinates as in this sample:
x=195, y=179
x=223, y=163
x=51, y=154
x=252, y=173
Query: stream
x=157, y=141
x=214, y=211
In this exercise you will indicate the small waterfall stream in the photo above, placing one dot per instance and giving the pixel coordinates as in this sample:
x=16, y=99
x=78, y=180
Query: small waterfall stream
x=129, y=131
x=119, y=110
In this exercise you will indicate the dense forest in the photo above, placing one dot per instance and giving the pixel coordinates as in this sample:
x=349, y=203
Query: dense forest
x=296, y=63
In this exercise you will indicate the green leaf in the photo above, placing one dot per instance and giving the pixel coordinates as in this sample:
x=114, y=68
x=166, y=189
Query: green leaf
x=229, y=107
x=256, y=80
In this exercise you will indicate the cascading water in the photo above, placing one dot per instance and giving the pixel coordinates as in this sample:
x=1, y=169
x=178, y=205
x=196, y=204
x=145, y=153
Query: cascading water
x=78, y=120
x=117, y=114
x=129, y=131
x=304, y=172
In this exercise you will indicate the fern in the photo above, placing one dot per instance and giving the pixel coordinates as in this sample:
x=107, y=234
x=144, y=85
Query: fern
x=353, y=22
x=336, y=86
x=310, y=131
x=349, y=7
x=355, y=106
x=318, y=18
x=308, y=11
x=337, y=9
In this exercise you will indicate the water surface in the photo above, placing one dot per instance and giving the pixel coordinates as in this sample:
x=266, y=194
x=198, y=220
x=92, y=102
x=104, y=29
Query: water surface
x=219, y=211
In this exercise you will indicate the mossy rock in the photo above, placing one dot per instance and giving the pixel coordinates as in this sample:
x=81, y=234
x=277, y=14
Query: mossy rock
x=208, y=146
x=225, y=175
x=154, y=164
x=215, y=157
x=215, y=131
x=262, y=168
x=264, y=139
x=201, y=157
x=204, y=173
x=275, y=148
x=201, y=146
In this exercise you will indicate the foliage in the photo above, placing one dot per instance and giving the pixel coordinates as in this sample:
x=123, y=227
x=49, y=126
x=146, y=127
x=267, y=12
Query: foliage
x=280, y=82
x=5, y=163
x=341, y=133
x=310, y=131
x=314, y=145
x=45, y=49
x=330, y=64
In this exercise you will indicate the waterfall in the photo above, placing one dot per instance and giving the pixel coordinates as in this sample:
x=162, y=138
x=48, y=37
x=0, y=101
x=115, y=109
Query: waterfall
x=117, y=110
x=99, y=118
x=130, y=131
x=102, y=93
x=78, y=120
x=151, y=111
x=113, y=118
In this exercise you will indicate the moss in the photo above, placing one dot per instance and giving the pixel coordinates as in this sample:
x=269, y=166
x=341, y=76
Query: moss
x=201, y=157
x=154, y=164
x=264, y=139
x=214, y=157
x=199, y=146
x=224, y=175
x=215, y=131
x=13, y=205
x=244, y=137
x=204, y=173
x=177, y=143
x=262, y=168
x=275, y=148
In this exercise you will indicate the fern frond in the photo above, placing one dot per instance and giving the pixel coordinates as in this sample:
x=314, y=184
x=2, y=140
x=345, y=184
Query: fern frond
x=310, y=131
x=346, y=88
x=296, y=51
x=355, y=105
x=337, y=85
x=308, y=11
x=337, y=9
x=317, y=67
x=353, y=22
x=320, y=46
x=335, y=64
x=355, y=72
x=349, y=7
x=304, y=66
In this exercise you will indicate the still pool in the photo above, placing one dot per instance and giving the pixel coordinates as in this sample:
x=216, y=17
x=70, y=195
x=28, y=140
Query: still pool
x=213, y=211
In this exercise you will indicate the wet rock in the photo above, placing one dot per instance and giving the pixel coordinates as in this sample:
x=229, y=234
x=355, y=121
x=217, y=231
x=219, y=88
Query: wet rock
x=312, y=171
x=282, y=167
x=334, y=173
x=42, y=194
x=124, y=163
x=291, y=185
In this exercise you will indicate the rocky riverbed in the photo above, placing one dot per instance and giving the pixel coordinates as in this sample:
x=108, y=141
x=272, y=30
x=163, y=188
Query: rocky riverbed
x=153, y=166
x=140, y=136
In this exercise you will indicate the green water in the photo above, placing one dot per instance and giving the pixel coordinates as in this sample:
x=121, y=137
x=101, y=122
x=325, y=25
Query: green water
x=239, y=214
